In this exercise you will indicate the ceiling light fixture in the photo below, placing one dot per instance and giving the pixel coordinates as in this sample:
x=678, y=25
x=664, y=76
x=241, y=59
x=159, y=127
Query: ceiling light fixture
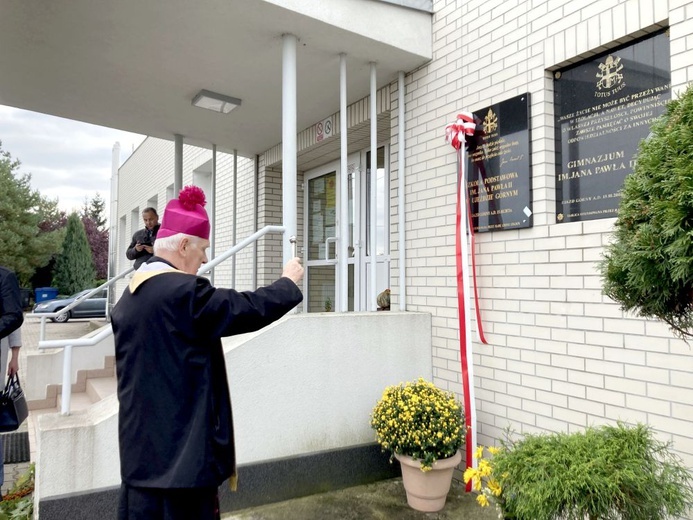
x=216, y=102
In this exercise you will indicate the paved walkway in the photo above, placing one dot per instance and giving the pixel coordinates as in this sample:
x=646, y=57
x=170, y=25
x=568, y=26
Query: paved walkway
x=384, y=500
x=30, y=339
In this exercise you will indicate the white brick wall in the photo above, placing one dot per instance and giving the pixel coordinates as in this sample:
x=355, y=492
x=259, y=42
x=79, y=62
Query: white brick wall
x=561, y=356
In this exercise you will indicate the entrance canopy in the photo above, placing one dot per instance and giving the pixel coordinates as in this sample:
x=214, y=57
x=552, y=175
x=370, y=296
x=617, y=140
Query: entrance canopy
x=136, y=65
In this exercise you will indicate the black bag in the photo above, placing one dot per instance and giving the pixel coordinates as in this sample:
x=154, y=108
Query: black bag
x=13, y=407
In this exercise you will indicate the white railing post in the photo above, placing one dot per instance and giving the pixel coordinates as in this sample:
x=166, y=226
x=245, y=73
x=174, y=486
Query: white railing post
x=42, y=330
x=67, y=380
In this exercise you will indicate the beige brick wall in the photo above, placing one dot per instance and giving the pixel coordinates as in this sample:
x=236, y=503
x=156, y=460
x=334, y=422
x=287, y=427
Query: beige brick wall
x=561, y=356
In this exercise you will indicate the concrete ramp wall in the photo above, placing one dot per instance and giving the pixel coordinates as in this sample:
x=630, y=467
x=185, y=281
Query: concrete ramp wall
x=309, y=383
x=303, y=385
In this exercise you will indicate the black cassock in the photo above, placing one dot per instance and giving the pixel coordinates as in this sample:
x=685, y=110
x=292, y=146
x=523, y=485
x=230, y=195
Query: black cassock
x=175, y=424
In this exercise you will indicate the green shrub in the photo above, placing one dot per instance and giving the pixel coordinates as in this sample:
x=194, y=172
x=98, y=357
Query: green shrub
x=18, y=504
x=610, y=472
x=648, y=268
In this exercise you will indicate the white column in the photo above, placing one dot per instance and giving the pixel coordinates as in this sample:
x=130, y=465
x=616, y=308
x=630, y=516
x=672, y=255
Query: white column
x=113, y=228
x=234, y=236
x=373, y=293
x=289, y=207
x=213, y=211
x=177, y=165
x=113, y=219
x=401, y=218
x=343, y=275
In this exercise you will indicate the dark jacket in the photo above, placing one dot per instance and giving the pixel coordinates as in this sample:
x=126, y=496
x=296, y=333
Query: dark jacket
x=143, y=236
x=11, y=312
x=175, y=425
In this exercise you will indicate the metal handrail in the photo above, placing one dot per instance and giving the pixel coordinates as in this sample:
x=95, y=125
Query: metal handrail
x=235, y=249
x=68, y=344
x=43, y=316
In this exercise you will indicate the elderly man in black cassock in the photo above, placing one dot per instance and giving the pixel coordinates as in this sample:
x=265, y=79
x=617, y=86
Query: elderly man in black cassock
x=175, y=426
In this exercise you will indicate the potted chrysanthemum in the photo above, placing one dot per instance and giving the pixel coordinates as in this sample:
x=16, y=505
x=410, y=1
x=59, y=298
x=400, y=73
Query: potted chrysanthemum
x=423, y=427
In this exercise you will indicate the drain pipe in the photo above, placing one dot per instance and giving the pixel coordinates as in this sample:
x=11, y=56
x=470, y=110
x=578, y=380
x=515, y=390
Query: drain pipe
x=401, y=224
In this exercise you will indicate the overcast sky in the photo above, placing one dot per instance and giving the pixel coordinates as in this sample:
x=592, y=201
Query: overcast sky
x=67, y=159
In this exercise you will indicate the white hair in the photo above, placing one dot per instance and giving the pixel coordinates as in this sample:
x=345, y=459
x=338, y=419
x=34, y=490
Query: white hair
x=173, y=242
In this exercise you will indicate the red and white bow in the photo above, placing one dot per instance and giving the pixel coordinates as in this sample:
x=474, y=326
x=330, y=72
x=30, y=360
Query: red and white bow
x=464, y=126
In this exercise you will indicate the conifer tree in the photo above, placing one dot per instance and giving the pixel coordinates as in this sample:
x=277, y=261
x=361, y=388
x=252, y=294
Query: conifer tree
x=95, y=209
x=25, y=244
x=648, y=268
x=74, y=267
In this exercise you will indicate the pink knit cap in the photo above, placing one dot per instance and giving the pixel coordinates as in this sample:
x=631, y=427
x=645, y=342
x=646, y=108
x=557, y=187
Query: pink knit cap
x=186, y=214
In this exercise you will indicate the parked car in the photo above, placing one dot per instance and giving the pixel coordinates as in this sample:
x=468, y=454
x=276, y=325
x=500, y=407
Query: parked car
x=92, y=307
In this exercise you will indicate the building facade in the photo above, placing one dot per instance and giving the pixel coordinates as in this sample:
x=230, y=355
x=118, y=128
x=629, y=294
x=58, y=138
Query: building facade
x=560, y=356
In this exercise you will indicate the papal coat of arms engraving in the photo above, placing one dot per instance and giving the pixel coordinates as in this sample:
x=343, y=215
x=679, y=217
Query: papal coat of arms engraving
x=490, y=122
x=610, y=73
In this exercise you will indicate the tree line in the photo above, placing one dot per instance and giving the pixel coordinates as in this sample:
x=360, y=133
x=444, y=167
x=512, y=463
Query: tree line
x=42, y=244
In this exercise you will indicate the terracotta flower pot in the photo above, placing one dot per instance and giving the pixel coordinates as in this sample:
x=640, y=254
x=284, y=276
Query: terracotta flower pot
x=427, y=491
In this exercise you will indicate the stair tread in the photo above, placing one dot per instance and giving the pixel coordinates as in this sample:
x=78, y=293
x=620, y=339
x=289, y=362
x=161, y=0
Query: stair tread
x=102, y=387
x=78, y=401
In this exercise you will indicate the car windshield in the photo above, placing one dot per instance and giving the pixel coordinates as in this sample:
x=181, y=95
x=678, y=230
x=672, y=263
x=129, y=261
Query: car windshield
x=80, y=293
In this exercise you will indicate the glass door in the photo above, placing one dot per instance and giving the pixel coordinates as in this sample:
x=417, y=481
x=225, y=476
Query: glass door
x=322, y=285
x=321, y=243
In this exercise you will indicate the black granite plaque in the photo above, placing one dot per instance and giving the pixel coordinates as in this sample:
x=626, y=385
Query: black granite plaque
x=499, y=183
x=604, y=107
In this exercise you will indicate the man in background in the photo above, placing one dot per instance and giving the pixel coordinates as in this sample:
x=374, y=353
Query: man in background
x=142, y=245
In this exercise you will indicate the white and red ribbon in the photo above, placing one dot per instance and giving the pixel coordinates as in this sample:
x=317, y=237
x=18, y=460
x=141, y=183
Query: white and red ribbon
x=457, y=134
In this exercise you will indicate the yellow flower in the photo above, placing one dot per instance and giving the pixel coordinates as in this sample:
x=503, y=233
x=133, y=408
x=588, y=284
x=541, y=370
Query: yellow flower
x=479, y=452
x=485, y=468
x=469, y=474
x=482, y=500
x=494, y=450
x=494, y=487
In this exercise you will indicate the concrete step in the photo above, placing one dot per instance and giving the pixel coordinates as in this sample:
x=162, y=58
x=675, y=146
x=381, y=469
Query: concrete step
x=101, y=387
x=97, y=388
x=78, y=401
x=96, y=384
